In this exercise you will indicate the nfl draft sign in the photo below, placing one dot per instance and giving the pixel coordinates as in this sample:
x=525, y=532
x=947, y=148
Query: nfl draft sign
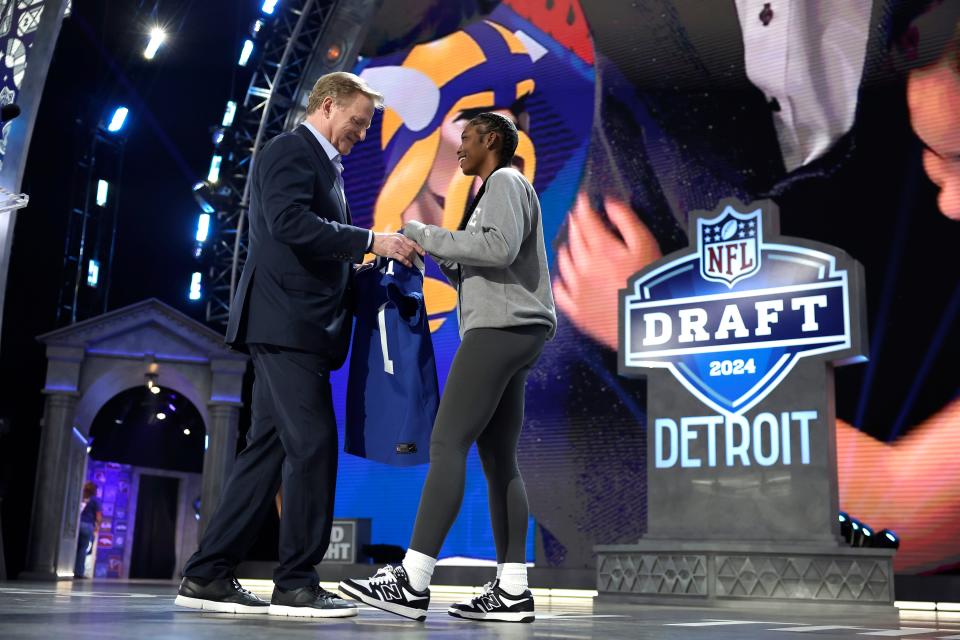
x=737, y=337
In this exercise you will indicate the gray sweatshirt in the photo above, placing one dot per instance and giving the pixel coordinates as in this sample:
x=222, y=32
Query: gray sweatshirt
x=503, y=278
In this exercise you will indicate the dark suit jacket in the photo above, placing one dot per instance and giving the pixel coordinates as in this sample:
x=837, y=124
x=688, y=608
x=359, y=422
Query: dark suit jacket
x=295, y=285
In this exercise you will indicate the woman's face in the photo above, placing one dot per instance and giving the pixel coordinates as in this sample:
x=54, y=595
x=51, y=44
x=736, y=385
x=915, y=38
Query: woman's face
x=447, y=162
x=474, y=150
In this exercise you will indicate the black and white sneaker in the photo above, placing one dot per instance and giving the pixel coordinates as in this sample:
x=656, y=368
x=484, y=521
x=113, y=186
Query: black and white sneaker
x=224, y=595
x=495, y=604
x=390, y=590
x=310, y=602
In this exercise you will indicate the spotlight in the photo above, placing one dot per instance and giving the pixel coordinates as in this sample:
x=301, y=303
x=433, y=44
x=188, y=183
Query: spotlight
x=157, y=38
x=229, y=113
x=218, y=134
x=268, y=6
x=203, y=227
x=257, y=27
x=155, y=390
x=186, y=431
x=245, y=53
x=118, y=119
x=93, y=273
x=213, y=176
x=203, y=193
x=885, y=539
x=195, y=291
x=103, y=189
x=334, y=52
x=161, y=415
x=846, y=528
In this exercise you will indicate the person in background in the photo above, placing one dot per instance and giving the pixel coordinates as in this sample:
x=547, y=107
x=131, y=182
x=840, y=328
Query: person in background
x=90, y=516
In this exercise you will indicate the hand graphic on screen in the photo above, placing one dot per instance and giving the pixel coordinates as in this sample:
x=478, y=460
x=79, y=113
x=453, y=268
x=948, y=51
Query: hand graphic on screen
x=595, y=263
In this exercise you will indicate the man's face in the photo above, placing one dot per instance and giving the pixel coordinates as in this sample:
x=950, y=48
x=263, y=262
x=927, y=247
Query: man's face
x=473, y=150
x=348, y=124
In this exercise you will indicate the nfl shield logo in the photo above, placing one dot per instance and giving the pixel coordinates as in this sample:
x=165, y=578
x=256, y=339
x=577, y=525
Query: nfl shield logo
x=729, y=246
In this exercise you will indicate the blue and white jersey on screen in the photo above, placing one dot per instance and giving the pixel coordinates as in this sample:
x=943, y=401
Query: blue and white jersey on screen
x=392, y=390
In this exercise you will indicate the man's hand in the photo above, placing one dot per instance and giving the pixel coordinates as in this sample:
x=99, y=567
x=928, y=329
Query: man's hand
x=396, y=247
x=595, y=264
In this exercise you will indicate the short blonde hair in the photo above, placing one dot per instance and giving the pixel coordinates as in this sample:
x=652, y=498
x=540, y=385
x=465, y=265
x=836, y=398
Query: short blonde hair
x=340, y=86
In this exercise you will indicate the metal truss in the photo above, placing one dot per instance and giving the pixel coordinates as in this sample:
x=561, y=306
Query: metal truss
x=286, y=50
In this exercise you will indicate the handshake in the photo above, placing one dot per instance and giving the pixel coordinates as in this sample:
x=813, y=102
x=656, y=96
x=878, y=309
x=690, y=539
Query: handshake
x=396, y=246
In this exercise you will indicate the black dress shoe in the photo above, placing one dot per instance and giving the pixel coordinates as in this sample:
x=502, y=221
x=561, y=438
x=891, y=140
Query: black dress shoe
x=224, y=595
x=310, y=602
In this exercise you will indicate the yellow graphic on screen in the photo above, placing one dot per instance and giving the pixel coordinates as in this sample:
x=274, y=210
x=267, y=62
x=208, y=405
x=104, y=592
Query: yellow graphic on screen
x=426, y=183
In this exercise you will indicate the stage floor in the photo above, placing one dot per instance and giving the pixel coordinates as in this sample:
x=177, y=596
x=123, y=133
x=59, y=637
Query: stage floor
x=145, y=609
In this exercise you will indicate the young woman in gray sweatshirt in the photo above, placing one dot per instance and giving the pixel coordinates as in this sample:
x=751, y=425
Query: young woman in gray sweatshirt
x=497, y=260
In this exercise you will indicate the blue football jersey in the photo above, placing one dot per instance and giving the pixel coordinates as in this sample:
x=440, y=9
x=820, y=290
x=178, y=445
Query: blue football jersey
x=392, y=390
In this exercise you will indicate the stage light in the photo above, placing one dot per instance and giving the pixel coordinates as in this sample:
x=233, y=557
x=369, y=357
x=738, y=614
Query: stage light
x=202, y=192
x=334, y=52
x=186, y=432
x=195, y=291
x=218, y=134
x=155, y=390
x=203, y=227
x=885, y=539
x=118, y=119
x=103, y=189
x=213, y=176
x=157, y=38
x=245, y=53
x=229, y=113
x=93, y=273
x=268, y=6
x=257, y=27
x=846, y=529
x=161, y=415
x=172, y=408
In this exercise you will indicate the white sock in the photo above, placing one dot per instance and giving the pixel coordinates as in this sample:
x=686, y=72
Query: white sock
x=513, y=578
x=419, y=568
x=499, y=570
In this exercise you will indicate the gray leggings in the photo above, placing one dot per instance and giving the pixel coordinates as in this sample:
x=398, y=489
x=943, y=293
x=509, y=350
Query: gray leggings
x=483, y=403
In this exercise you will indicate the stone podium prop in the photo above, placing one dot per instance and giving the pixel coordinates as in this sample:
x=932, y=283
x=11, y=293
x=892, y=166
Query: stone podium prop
x=737, y=337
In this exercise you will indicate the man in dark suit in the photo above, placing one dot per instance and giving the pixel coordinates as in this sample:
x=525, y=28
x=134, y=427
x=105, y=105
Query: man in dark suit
x=292, y=314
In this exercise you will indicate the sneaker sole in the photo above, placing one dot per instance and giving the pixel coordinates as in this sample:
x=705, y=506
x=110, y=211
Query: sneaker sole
x=519, y=616
x=219, y=607
x=310, y=612
x=407, y=612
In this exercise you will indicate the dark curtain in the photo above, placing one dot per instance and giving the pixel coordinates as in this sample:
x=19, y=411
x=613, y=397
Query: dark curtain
x=154, y=534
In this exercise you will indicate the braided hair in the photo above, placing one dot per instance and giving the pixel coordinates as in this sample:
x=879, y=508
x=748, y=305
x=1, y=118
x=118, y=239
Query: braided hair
x=494, y=122
x=503, y=126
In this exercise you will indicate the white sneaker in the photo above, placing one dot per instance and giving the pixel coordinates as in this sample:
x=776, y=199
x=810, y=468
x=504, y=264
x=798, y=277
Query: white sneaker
x=390, y=590
x=495, y=604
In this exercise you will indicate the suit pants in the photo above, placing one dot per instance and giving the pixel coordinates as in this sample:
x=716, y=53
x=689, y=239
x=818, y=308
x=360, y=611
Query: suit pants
x=293, y=439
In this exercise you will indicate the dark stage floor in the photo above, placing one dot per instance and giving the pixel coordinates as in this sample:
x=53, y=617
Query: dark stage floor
x=145, y=609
